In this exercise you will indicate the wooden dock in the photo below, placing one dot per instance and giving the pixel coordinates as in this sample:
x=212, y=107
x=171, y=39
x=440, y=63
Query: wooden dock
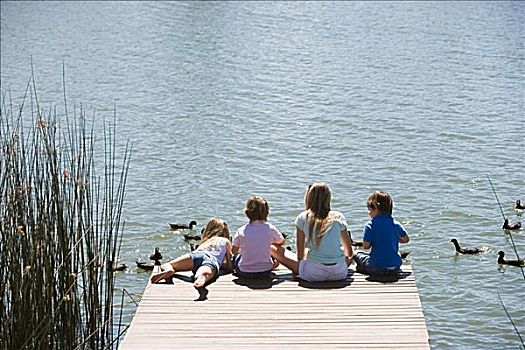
x=282, y=313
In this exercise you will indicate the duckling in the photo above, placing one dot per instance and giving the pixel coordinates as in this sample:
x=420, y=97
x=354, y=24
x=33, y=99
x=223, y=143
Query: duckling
x=503, y=261
x=514, y=225
x=184, y=227
x=519, y=205
x=465, y=250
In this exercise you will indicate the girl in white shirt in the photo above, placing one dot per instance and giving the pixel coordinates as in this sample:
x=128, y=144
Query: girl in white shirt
x=214, y=251
x=324, y=247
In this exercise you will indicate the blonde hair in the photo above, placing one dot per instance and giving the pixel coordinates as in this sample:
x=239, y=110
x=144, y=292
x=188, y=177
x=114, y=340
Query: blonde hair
x=215, y=228
x=381, y=201
x=257, y=208
x=317, y=203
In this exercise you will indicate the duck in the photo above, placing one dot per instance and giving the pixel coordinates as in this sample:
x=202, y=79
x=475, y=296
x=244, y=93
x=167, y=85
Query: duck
x=145, y=265
x=519, y=205
x=503, y=261
x=514, y=225
x=404, y=254
x=465, y=250
x=184, y=227
x=157, y=256
x=356, y=243
x=190, y=237
x=118, y=267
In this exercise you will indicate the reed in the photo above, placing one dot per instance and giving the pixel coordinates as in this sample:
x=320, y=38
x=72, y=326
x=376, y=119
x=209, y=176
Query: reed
x=61, y=226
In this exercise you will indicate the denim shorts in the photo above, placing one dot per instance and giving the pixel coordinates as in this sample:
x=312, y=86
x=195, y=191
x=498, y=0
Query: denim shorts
x=201, y=258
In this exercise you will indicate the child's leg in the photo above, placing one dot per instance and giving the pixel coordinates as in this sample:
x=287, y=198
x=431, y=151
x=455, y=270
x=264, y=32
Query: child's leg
x=362, y=261
x=285, y=257
x=182, y=263
x=203, y=275
x=363, y=266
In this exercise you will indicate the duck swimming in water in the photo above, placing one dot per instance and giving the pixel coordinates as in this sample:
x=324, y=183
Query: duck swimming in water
x=356, y=243
x=184, y=227
x=465, y=250
x=519, y=207
x=514, y=225
x=118, y=267
x=193, y=246
x=145, y=265
x=156, y=257
x=503, y=261
x=190, y=237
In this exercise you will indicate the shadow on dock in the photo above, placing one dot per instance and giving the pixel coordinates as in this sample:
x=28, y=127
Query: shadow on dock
x=388, y=278
x=261, y=282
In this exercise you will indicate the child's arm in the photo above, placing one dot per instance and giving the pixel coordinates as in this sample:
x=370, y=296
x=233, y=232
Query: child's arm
x=300, y=240
x=227, y=265
x=167, y=271
x=367, y=236
x=236, y=248
x=347, y=245
x=277, y=237
x=279, y=242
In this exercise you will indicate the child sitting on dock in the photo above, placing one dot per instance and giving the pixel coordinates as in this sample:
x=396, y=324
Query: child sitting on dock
x=205, y=262
x=382, y=234
x=323, y=231
x=252, y=242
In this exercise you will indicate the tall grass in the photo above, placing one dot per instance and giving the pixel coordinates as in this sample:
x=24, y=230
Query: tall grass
x=61, y=226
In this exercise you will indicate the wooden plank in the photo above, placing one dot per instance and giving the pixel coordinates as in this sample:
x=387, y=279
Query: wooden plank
x=358, y=313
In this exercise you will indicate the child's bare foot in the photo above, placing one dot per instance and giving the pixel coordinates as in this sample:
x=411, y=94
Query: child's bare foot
x=200, y=281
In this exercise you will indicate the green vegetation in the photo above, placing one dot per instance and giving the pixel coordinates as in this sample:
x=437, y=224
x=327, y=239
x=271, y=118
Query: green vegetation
x=61, y=226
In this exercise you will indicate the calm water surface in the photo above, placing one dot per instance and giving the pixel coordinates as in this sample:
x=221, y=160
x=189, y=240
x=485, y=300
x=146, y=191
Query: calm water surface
x=227, y=99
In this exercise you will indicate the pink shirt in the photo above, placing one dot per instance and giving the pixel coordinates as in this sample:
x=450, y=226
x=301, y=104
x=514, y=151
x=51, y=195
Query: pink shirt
x=254, y=240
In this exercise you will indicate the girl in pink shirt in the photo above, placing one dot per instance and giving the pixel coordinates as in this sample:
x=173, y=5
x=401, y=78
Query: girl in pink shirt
x=252, y=242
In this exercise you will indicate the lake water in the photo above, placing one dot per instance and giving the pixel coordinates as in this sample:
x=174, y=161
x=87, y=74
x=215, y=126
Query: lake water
x=227, y=99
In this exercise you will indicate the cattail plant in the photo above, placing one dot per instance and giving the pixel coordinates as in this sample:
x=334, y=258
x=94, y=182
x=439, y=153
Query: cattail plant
x=61, y=226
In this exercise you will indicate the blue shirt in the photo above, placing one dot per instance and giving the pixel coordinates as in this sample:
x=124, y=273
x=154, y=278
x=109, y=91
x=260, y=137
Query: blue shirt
x=383, y=232
x=329, y=249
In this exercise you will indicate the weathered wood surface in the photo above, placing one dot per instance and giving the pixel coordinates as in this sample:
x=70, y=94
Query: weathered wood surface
x=281, y=314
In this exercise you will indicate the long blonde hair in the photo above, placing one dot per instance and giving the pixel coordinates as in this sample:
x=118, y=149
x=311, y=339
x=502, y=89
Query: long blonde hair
x=215, y=228
x=317, y=204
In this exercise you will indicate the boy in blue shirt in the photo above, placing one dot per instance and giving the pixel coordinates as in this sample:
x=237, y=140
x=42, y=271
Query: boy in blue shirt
x=382, y=234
